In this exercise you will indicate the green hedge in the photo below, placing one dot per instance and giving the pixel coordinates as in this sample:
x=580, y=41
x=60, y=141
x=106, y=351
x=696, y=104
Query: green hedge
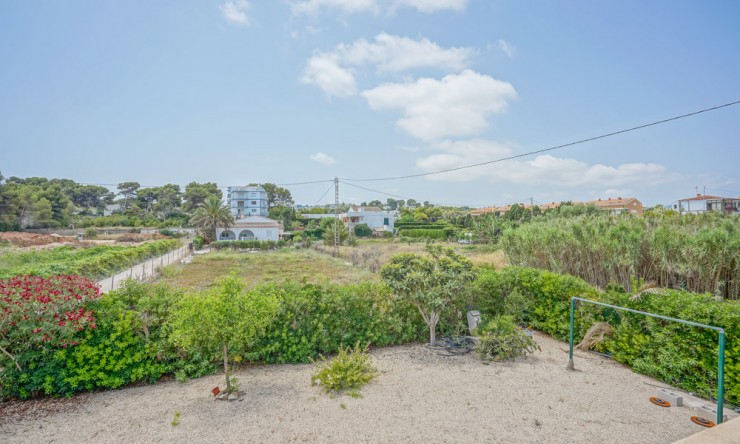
x=94, y=263
x=425, y=233
x=247, y=245
x=680, y=355
x=132, y=344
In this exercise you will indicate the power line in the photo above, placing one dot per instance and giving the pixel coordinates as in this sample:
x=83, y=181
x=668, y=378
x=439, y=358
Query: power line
x=552, y=148
x=325, y=193
x=407, y=198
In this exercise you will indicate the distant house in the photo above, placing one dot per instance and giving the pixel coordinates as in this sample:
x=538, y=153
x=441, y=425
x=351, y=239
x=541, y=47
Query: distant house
x=374, y=217
x=250, y=228
x=112, y=208
x=702, y=203
x=615, y=206
x=619, y=205
x=246, y=201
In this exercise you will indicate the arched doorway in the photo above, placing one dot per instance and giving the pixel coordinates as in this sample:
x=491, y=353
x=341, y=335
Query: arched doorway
x=227, y=235
x=246, y=235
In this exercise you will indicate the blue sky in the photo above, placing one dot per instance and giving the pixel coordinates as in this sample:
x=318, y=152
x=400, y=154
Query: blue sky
x=292, y=91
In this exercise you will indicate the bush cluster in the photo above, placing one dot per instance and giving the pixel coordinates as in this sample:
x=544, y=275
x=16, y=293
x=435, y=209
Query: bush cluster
x=347, y=372
x=672, y=352
x=247, y=245
x=500, y=339
x=133, y=339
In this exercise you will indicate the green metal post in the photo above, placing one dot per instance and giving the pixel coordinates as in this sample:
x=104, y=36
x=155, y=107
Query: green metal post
x=572, y=315
x=721, y=378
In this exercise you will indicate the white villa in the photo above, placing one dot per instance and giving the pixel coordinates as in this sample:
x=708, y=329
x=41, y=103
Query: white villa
x=250, y=228
x=376, y=218
x=702, y=203
x=246, y=201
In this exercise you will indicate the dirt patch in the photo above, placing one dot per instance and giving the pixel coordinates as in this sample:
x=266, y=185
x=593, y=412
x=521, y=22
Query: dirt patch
x=420, y=396
x=138, y=237
x=22, y=240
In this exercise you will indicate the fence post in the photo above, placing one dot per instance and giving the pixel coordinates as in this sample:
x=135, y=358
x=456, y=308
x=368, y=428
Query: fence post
x=570, y=355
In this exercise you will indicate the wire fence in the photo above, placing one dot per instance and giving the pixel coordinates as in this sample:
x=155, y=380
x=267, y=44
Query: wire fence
x=146, y=269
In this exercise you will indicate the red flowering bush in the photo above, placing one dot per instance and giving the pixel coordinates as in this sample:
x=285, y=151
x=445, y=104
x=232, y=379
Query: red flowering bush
x=37, y=312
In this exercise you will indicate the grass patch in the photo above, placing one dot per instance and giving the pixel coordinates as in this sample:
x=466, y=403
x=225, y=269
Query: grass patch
x=278, y=266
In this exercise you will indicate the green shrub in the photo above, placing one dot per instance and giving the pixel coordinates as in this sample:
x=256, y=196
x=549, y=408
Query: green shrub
x=319, y=319
x=500, y=339
x=91, y=233
x=95, y=262
x=198, y=242
x=347, y=372
x=672, y=352
x=363, y=230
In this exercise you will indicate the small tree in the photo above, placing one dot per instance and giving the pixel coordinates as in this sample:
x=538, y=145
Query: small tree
x=223, y=321
x=430, y=282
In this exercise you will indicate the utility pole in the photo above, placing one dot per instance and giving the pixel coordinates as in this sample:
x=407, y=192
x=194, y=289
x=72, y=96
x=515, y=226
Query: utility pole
x=336, y=217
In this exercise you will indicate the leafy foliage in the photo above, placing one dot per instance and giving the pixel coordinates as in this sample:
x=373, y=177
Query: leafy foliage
x=39, y=313
x=348, y=371
x=95, y=262
x=225, y=319
x=431, y=283
x=500, y=339
x=692, y=252
x=677, y=354
x=211, y=214
x=247, y=245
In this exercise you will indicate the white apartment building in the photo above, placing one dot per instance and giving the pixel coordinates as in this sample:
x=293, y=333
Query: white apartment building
x=246, y=201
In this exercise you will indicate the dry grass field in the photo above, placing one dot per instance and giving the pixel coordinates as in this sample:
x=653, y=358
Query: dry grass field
x=264, y=267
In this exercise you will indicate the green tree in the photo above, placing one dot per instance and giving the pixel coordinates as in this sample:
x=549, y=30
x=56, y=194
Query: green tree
x=223, y=321
x=128, y=191
x=277, y=196
x=209, y=215
x=197, y=193
x=431, y=283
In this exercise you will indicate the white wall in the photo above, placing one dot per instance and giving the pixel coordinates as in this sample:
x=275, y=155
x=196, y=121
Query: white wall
x=262, y=234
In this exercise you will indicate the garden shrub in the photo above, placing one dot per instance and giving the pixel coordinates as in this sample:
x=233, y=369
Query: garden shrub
x=363, y=230
x=500, y=339
x=672, y=352
x=347, y=372
x=319, y=319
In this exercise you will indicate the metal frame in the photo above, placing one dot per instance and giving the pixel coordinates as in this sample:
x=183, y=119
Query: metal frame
x=720, y=366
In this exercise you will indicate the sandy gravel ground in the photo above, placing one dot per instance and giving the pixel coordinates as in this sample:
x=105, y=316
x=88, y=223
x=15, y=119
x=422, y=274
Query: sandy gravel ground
x=420, y=396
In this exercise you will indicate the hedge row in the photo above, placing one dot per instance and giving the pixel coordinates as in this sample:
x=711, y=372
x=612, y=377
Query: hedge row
x=677, y=354
x=132, y=340
x=247, y=245
x=425, y=233
x=94, y=263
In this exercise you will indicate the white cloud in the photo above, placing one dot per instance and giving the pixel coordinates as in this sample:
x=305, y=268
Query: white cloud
x=543, y=170
x=457, y=105
x=311, y=7
x=331, y=71
x=429, y=6
x=322, y=158
x=323, y=71
x=506, y=47
x=396, y=53
x=236, y=12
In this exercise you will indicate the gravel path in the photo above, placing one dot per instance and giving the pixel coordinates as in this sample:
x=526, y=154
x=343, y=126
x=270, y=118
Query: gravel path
x=420, y=396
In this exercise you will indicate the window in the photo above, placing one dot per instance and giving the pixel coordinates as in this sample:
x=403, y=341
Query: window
x=240, y=203
x=386, y=221
x=254, y=202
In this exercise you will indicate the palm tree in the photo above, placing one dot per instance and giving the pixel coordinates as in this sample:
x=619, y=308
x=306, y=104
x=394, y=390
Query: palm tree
x=211, y=214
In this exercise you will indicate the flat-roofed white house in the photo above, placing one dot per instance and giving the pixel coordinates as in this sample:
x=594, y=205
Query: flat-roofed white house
x=250, y=228
x=701, y=203
x=375, y=218
x=246, y=201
